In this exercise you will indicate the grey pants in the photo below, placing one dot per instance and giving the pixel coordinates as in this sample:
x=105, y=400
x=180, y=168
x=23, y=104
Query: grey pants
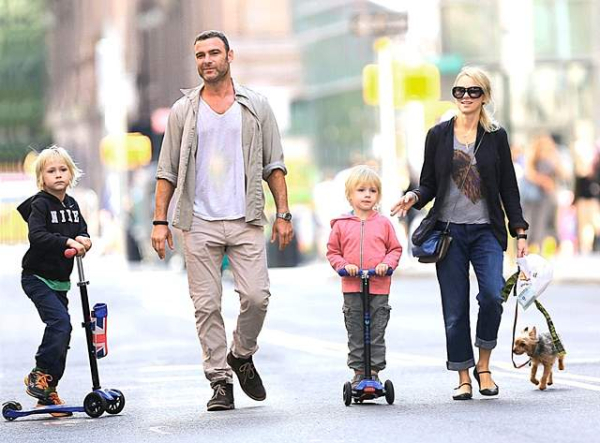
x=353, y=317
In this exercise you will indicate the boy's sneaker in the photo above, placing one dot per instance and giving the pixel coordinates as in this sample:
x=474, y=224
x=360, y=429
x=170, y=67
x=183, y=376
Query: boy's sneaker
x=356, y=380
x=222, y=399
x=250, y=381
x=37, y=384
x=52, y=399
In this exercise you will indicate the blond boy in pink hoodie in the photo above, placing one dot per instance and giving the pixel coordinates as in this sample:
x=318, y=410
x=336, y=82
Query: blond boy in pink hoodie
x=364, y=239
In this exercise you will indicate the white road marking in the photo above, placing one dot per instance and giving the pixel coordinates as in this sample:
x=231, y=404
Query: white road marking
x=326, y=348
x=170, y=368
x=556, y=373
x=199, y=375
x=58, y=422
x=320, y=347
x=557, y=380
x=158, y=430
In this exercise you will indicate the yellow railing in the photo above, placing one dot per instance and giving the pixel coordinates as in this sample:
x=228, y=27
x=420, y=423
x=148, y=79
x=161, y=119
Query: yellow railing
x=15, y=186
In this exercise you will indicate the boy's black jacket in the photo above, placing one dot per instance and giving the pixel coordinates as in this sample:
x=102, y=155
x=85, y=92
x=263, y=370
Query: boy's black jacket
x=497, y=173
x=51, y=223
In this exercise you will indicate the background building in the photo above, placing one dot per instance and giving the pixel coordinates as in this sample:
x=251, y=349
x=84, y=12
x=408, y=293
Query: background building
x=116, y=67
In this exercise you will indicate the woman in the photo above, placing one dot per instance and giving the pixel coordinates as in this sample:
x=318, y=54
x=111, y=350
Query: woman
x=543, y=170
x=474, y=199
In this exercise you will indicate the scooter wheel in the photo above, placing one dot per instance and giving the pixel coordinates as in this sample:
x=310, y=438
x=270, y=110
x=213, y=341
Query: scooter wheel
x=10, y=406
x=389, y=392
x=347, y=393
x=117, y=404
x=94, y=404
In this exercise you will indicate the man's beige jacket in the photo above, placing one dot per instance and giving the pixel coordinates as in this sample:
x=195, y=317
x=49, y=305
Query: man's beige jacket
x=261, y=145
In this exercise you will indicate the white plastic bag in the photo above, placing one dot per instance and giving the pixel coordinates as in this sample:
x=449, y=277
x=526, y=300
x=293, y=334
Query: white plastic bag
x=534, y=278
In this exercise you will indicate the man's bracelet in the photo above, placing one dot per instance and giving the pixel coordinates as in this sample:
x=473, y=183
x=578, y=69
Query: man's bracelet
x=160, y=222
x=521, y=236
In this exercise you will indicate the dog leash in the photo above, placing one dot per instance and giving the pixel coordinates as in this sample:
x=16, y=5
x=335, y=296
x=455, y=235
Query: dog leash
x=560, y=349
x=511, y=285
x=513, y=280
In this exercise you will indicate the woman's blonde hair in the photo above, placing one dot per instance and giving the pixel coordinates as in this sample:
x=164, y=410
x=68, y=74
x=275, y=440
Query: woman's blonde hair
x=480, y=77
x=363, y=175
x=55, y=153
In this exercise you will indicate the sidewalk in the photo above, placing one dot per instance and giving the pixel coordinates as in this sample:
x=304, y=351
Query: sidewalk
x=567, y=270
x=576, y=269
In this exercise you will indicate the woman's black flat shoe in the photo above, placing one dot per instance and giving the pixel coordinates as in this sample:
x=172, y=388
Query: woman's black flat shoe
x=463, y=395
x=487, y=391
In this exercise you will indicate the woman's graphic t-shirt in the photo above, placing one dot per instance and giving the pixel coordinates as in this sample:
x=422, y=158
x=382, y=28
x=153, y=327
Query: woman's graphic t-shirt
x=471, y=207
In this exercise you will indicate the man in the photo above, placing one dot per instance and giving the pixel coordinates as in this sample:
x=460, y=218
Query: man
x=221, y=141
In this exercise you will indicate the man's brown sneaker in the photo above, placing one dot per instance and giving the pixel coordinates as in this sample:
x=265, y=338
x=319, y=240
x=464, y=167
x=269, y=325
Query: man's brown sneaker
x=250, y=381
x=222, y=399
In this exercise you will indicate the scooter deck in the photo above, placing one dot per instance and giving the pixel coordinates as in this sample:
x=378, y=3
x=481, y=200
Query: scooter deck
x=368, y=390
x=11, y=413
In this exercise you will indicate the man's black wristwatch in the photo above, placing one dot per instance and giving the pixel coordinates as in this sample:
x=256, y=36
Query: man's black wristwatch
x=284, y=215
x=521, y=236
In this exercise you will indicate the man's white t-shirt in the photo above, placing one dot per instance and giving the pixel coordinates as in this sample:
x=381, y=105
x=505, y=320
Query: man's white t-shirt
x=220, y=187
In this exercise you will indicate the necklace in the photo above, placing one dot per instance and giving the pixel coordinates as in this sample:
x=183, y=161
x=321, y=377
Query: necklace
x=467, y=135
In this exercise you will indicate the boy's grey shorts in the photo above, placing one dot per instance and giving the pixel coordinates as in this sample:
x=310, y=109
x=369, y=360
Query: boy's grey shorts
x=353, y=317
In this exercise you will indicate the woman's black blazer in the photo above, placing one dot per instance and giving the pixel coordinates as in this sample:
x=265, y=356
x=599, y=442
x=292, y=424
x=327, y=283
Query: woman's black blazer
x=497, y=174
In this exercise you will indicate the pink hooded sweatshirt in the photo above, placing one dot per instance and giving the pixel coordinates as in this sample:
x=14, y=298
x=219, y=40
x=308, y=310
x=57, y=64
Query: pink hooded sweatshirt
x=375, y=238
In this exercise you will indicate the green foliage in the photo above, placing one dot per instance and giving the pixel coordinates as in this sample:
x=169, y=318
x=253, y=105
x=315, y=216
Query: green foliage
x=23, y=74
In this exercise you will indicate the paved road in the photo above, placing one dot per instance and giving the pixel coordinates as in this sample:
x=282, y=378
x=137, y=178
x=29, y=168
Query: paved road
x=155, y=360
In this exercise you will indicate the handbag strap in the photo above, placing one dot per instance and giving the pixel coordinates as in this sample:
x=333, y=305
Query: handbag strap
x=464, y=180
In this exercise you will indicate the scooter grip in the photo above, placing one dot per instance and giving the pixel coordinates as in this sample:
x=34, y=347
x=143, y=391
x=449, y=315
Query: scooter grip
x=343, y=273
x=70, y=253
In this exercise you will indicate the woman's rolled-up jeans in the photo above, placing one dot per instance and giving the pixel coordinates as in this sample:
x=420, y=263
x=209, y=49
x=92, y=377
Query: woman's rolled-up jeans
x=471, y=244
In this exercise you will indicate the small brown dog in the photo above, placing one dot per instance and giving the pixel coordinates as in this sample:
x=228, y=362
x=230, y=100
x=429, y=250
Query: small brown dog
x=541, y=350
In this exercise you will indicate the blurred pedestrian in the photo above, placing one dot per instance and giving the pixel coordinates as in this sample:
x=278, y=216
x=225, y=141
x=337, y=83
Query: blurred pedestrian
x=543, y=173
x=468, y=170
x=55, y=224
x=587, y=189
x=364, y=239
x=221, y=141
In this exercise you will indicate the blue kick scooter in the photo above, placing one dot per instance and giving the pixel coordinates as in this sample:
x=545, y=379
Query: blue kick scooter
x=99, y=400
x=367, y=389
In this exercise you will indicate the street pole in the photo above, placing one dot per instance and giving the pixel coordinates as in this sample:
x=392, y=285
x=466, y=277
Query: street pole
x=387, y=123
x=384, y=24
x=112, y=94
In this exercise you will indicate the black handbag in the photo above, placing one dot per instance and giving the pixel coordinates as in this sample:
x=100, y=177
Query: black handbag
x=435, y=247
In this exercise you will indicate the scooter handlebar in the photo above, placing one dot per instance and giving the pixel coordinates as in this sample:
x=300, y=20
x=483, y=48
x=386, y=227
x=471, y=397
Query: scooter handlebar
x=344, y=273
x=70, y=253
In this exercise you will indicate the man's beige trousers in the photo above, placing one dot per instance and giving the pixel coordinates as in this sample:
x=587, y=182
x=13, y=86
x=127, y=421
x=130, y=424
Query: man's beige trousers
x=205, y=245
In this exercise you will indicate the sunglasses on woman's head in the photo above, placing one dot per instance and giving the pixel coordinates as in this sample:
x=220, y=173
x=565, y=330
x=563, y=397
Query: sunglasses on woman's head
x=458, y=92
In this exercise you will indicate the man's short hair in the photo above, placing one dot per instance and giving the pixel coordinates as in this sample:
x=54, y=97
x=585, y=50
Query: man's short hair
x=213, y=34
